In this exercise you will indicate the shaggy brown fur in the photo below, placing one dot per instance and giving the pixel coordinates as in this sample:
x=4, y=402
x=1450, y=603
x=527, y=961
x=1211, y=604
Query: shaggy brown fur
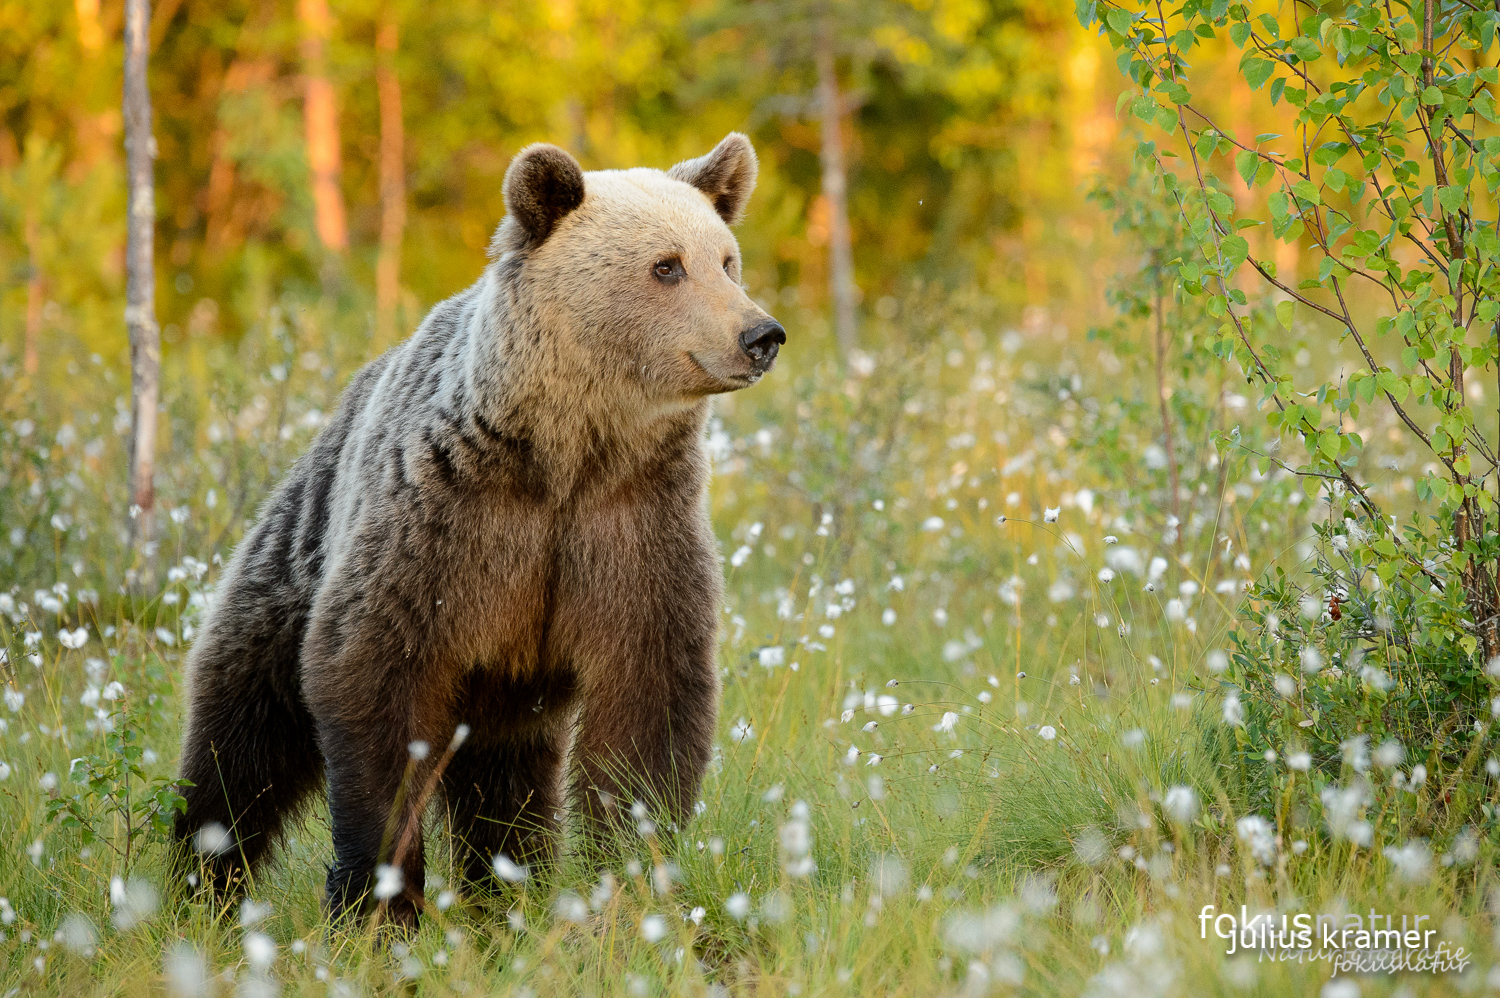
x=503, y=526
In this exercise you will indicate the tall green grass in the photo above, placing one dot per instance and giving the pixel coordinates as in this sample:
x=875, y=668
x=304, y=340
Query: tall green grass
x=1014, y=822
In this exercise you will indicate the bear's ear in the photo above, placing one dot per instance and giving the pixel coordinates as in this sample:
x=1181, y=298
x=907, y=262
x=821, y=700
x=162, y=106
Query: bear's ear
x=726, y=175
x=542, y=184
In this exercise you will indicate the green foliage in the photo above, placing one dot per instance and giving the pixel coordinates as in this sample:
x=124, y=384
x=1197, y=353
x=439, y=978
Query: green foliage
x=1161, y=341
x=116, y=803
x=1383, y=168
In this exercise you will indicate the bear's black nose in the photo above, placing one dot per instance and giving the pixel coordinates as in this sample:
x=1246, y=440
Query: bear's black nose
x=761, y=342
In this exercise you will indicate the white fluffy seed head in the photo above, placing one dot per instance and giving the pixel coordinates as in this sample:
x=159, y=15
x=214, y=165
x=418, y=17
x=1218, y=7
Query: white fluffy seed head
x=653, y=928
x=213, y=839
x=1180, y=803
x=260, y=951
x=186, y=971
x=252, y=912
x=508, y=871
x=79, y=934
x=389, y=881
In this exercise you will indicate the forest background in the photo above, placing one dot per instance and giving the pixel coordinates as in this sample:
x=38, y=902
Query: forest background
x=357, y=150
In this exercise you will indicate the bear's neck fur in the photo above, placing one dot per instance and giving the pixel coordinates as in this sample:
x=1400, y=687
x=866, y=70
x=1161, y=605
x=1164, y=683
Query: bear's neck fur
x=526, y=373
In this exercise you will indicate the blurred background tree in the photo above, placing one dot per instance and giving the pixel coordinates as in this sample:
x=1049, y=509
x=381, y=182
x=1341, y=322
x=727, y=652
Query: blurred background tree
x=350, y=152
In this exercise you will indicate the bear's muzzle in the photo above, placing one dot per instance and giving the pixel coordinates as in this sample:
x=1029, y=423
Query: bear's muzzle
x=762, y=342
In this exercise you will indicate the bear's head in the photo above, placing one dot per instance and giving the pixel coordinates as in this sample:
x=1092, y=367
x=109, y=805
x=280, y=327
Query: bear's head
x=634, y=274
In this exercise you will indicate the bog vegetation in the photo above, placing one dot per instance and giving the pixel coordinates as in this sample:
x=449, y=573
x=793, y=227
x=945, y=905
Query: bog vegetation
x=1116, y=536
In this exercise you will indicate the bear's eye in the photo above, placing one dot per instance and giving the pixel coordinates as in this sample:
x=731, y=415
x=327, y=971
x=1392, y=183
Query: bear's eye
x=728, y=262
x=668, y=271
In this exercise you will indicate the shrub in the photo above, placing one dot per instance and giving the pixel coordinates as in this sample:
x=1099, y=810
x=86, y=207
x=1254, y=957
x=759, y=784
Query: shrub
x=1383, y=172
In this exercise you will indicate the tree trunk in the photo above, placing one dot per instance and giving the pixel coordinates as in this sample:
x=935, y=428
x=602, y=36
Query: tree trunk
x=140, y=287
x=31, y=350
x=835, y=192
x=320, y=119
x=392, y=180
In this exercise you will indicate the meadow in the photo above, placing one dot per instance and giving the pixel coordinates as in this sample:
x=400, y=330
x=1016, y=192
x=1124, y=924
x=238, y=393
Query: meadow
x=1105, y=571
x=974, y=736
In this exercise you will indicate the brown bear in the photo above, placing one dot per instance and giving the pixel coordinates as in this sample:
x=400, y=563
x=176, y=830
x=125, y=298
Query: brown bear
x=503, y=527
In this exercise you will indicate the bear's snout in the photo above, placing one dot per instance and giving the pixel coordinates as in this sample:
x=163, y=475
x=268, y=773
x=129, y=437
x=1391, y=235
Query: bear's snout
x=762, y=342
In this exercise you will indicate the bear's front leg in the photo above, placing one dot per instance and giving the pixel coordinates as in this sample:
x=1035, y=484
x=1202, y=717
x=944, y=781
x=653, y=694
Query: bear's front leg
x=383, y=718
x=647, y=724
x=504, y=798
x=373, y=788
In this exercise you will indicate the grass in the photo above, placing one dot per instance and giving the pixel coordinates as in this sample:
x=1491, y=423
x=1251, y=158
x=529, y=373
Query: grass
x=1019, y=832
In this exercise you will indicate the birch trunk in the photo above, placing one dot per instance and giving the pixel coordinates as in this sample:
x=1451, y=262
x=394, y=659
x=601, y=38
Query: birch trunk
x=835, y=192
x=140, y=286
x=392, y=180
x=321, y=123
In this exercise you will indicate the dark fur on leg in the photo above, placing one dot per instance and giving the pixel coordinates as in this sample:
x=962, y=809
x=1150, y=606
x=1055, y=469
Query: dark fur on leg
x=374, y=802
x=250, y=750
x=505, y=799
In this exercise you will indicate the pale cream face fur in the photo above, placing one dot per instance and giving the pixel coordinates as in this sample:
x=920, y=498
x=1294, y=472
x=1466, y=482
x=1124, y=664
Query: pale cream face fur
x=674, y=337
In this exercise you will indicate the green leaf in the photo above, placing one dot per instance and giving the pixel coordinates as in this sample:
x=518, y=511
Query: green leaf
x=1221, y=203
x=1256, y=71
x=1331, y=268
x=1177, y=93
x=1307, y=191
x=1118, y=20
x=1247, y=163
x=1236, y=249
x=1393, y=384
x=1239, y=33
x=1450, y=197
x=1285, y=310
x=1432, y=96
